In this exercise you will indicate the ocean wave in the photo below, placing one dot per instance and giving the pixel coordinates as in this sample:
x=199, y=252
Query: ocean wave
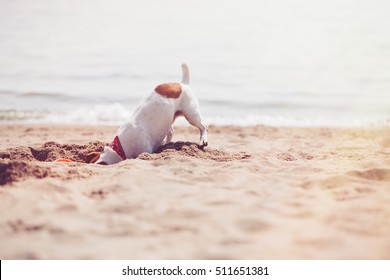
x=300, y=121
x=22, y=115
x=116, y=113
x=48, y=96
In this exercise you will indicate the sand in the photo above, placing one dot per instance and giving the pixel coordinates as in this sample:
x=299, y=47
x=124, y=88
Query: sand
x=254, y=193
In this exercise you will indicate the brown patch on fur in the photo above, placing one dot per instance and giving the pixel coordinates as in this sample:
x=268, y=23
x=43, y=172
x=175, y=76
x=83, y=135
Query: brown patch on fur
x=170, y=90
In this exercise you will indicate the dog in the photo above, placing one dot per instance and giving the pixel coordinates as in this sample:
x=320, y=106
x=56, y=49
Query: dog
x=150, y=126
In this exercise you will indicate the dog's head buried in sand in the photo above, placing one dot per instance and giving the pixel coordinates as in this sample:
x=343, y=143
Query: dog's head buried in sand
x=150, y=126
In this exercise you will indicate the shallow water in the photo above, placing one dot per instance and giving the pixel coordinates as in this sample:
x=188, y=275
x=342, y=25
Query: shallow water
x=252, y=62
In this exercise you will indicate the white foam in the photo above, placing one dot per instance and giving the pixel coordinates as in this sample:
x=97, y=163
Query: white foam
x=115, y=114
x=107, y=114
x=288, y=121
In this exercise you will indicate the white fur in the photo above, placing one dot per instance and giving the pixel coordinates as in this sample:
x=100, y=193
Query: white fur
x=152, y=121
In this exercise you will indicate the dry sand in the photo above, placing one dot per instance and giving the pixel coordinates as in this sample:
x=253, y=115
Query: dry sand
x=254, y=193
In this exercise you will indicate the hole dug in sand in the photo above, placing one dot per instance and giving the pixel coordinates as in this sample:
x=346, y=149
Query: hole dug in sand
x=51, y=151
x=20, y=163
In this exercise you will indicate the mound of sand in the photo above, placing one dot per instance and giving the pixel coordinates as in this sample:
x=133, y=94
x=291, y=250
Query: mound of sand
x=50, y=151
x=11, y=171
x=15, y=171
x=20, y=163
x=189, y=149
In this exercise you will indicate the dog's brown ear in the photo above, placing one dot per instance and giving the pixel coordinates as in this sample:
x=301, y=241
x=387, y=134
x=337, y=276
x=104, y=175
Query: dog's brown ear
x=92, y=157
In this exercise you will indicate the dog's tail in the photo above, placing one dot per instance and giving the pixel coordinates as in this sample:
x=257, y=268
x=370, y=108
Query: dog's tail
x=186, y=74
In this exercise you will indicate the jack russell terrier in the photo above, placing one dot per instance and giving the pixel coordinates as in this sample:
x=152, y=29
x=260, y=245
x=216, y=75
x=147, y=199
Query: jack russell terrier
x=152, y=121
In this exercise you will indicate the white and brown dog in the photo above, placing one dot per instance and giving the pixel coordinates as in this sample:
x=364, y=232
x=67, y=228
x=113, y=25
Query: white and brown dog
x=152, y=121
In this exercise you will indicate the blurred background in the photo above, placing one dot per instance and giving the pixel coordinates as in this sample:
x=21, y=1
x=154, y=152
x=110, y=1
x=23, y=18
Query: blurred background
x=273, y=62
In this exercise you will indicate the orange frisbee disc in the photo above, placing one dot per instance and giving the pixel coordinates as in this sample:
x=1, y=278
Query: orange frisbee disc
x=63, y=160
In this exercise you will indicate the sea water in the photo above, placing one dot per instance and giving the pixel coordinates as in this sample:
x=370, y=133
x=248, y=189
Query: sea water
x=272, y=62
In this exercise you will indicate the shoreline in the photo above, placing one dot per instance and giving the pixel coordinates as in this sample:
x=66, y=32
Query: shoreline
x=304, y=121
x=104, y=130
x=256, y=192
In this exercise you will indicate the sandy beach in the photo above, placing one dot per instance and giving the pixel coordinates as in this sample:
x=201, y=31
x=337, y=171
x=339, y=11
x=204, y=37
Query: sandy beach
x=254, y=193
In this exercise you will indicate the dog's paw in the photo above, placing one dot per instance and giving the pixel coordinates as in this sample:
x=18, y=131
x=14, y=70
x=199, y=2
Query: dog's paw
x=165, y=142
x=203, y=143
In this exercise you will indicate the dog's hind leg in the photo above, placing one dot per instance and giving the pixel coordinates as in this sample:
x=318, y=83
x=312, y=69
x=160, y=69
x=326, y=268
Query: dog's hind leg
x=196, y=120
